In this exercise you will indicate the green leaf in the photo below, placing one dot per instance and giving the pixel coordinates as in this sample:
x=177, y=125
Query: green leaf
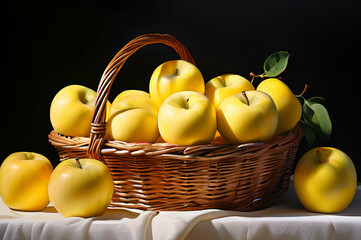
x=317, y=118
x=309, y=134
x=319, y=100
x=275, y=64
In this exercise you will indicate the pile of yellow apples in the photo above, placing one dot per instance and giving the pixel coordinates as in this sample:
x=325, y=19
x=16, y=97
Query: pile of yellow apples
x=179, y=109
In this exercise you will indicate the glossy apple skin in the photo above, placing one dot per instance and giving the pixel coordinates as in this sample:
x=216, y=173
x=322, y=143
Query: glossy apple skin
x=71, y=110
x=133, y=118
x=187, y=122
x=81, y=192
x=325, y=180
x=288, y=107
x=24, y=178
x=239, y=122
x=226, y=85
x=174, y=76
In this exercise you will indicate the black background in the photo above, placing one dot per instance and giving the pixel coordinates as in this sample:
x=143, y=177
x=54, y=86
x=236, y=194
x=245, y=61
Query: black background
x=49, y=45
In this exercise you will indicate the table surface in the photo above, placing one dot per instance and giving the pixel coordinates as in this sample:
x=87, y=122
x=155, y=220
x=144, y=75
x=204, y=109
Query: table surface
x=286, y=220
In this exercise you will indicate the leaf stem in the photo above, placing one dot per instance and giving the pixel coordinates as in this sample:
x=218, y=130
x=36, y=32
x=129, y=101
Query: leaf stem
x=261, y=75
x=304, y=90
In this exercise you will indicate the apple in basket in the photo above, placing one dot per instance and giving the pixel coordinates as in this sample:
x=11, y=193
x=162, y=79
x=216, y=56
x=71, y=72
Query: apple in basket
x=187, y=118
x=249, y=116
x=71, y=110
x=325, y=180
x=81, y=188
x=288, y=107
x=133, y=117
x=174, y=76
x=24, y=178
x=226, y=85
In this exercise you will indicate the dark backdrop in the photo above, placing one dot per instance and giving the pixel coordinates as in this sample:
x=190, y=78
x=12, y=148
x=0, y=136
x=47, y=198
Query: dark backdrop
x=49, y=45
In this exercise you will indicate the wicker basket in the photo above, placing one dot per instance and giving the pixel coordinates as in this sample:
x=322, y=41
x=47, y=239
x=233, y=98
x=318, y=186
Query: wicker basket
x=163, y=176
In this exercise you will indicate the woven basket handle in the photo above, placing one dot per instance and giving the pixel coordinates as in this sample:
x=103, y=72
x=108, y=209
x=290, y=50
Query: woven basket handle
x=98, y=125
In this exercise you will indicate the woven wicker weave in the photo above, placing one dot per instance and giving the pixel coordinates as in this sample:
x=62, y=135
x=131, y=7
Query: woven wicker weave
x=163, y=176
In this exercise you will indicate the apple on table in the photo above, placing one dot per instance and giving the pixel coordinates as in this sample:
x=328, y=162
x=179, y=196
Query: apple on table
x=81, y=188
x=24, y=178
x=325, y=180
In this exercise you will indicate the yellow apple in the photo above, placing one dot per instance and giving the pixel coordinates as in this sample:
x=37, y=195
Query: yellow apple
x=81, y=188
x=133, y=118
x=250, y=116
x=128, y=93
x=325, y=180
x=24, y=178
x=71, y=110
x=187, y=118
x=288, y=107
x=226, y=85
x=174, y=76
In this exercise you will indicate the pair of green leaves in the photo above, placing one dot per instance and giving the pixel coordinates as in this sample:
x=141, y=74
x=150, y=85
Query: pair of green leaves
x=315, y=120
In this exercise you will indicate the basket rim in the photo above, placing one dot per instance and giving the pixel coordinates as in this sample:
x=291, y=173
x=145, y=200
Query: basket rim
x=164, y=149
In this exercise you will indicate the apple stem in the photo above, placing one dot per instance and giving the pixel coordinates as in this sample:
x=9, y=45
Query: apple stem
x=252, y=76
x=187, y=103
x=245, y=96
x=77, y=160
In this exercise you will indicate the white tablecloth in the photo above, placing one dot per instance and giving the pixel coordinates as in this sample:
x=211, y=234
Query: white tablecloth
x=286, y=220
